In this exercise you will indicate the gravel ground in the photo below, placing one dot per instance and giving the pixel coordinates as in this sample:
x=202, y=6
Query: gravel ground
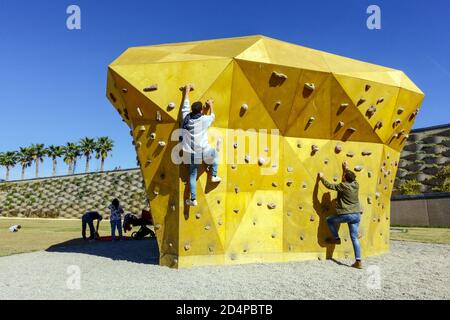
x=125, y=270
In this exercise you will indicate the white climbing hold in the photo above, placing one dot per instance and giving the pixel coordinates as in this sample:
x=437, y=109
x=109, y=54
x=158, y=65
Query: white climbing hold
x=158, y=116
x=350, y=154
x=233, y=166
x=369, y=200
x=261, y=161
x=142, y=129
x=366, y=153
x=244, y=107
x=341, y=124
x=310, y=86
x=311, y=120
x=247, y=158
x=397, y=122
x=139, y=111
x=157, y=227
x=371, y=111
x=289, y=183
x=171, y=105
x=359, y=168
x=271, y=206
x=207, y=227
x=290, y=169
x=380, y=100
x=344, y=105
x=162, y=144
x=400, y=110
x=279, y=75
x=274, y=184
x=361, y=100
x=124, y=90
x=187, y=247
x=352, y=130
x=338, y=148
x=315, y=148
x=153, y=136
x=198, y=215
x=379, y=125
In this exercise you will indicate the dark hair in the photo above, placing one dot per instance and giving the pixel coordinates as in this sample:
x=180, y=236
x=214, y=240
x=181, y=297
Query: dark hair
x=350, y=176
x=197, y=107
x=116, y=203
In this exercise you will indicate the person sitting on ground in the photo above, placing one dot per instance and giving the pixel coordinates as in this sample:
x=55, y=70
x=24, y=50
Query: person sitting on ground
x=15, y=228
x=348, y=210
x=88, y=219
x=116, y=219
x=195, y=140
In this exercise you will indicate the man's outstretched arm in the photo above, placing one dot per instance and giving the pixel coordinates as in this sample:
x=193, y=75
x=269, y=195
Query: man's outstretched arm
x=329, y=185
x=186, y=107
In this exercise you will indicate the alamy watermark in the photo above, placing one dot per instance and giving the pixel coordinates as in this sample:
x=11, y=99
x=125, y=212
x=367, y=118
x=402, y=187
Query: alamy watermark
x=374, y=20
x=73, y=21
x=73, y=281
x=373, y=281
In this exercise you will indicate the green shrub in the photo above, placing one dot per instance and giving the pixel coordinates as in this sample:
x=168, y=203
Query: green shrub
x=410, y=187
x=444, y=178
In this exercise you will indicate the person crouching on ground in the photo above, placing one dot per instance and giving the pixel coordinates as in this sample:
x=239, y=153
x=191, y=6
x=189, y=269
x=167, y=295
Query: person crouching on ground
x=348, y=210
x=88, y=219
x=115, y=219
x=195, y=140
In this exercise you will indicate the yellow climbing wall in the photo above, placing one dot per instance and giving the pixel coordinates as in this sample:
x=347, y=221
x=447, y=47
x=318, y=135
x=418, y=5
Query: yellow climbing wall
x=318, y=110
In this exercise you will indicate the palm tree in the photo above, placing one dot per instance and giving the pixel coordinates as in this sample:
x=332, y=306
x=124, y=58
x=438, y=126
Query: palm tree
x=25, y=158
x=87, y=147
x=38, y=152
x=55, y=152
x=71, y=153
x=104, y=145
x=8, y=160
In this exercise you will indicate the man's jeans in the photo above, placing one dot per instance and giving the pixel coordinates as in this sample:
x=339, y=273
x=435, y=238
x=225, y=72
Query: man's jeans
x=86, y=221
x=116, y=224
x=210, y=157
x=352, y=219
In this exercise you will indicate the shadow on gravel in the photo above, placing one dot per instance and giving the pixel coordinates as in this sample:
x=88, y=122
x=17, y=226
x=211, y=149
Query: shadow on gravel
x=137, y=251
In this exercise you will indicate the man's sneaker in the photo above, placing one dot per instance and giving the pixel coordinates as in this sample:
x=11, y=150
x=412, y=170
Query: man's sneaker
x=357, y=264
x=215, y=179
x=333, y=241
x=191, y=203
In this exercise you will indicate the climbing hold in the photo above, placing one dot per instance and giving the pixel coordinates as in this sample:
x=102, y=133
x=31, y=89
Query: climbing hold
x=361, y=100
x=338, y=148
x=244, y=107
x=170, y=244
x=312, y=218
x=271, y=206
x=274, y=184
x=326, y=161
x=351, y=130
x=277, y=104
x=233, y=166
x=261, y=161
x=139, y=144
x=379, y=125
x=153, y=136
x=158, y=116
x=396, y=122
x=279, y=75
x=369, y=200
x=236, y=210
x=156, y=191
x=314, y=148
x=150, y=88
x=157, y=227
x=304, y=185
x=142, y=129
x=311, y=120
x=187, y=247
x=310, y=86
x=235, y=145
x=366, y=153
x=371, y=111
x=302, y=237
x=400, y=110
x=207, y=227
x=377, y=195
x=350, y=154
x=274, y=235
x=198, y=215
x=259, y=203
x=171, y=105
x=380, y=100
x=368, y=86
x=211, y=249
x=344, y=105
x=162, y=144
x=113, y=98
x=341, y=124
x=124, y=90
x=220, y=222
x=414, y=114
x=149, y=161
x=369, y=174
x=139, y=111
x=247, y=158
x=290, y=169
x=236, y=189
x=359, y=168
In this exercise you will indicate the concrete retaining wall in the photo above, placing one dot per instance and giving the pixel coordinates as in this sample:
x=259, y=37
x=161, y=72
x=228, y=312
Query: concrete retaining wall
x=432, y=210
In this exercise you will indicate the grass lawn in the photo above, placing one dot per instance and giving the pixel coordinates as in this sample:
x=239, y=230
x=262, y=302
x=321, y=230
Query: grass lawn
x=37, y=235
x=429, y=235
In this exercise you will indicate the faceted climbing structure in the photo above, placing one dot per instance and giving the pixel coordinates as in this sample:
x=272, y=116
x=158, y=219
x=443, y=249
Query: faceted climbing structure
x=283, y=114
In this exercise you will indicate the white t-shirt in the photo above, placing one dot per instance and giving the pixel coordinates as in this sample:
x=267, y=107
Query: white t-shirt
x=14, y=228
x=195, y=139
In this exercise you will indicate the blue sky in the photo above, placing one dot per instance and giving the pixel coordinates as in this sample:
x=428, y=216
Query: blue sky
x=52, y=80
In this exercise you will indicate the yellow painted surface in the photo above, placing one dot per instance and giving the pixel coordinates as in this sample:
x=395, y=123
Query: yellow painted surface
x=274, y=210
